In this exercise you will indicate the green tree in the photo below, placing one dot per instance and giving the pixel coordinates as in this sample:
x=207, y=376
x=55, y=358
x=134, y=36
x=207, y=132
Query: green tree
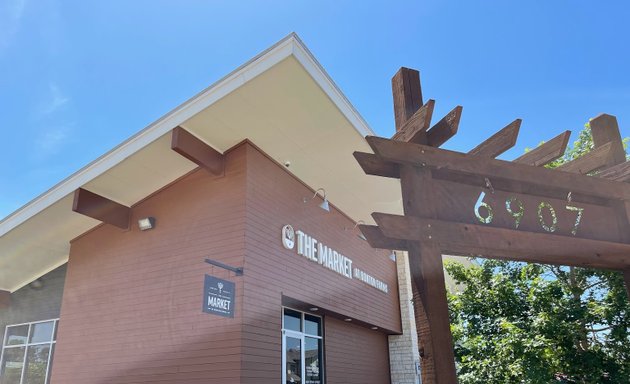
x=528, y=323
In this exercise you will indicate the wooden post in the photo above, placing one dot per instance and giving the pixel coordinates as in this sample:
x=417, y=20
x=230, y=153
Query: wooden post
x=425, y=263
x=425, y=259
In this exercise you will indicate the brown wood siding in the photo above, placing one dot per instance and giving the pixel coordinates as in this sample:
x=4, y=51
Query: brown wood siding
x=131, y=312
x=275, y=198
x=355, y=355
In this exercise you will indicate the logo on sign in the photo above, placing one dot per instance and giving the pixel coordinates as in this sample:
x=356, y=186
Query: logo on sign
x=288, y=237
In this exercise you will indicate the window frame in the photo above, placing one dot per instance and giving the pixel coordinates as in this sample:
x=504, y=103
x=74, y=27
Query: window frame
x=302, y=335
x=51, y=343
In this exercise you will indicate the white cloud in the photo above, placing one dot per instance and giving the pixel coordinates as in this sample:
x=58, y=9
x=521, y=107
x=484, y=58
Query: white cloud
x=56, y=101
x=51, y=141
x=11, y=13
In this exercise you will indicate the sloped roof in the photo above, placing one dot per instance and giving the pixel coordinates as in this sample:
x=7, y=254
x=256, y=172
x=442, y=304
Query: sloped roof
x=282, y=100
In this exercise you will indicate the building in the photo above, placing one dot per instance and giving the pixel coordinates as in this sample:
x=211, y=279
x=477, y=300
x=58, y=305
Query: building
x=243, y=277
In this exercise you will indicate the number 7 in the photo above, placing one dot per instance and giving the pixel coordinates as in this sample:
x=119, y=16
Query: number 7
x=579, y=211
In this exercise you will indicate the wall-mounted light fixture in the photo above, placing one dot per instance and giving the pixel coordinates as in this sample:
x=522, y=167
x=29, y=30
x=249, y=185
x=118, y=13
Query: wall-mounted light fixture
x=360, y=235
x=146, y=223
x=324, y=205
x=392, y=256
x=37, y=284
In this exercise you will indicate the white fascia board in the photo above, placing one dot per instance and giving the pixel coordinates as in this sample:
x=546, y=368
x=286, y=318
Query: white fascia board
x=290, y=45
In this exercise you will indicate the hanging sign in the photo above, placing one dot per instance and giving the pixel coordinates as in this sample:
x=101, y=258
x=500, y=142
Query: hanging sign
x=218, y=297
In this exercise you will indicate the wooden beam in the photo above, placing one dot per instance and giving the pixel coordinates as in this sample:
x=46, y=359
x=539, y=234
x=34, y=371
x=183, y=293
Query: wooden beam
x=414, y=129
x=493, y=169
x=407, y=94
x=546, y=152
x=619, y=172
x=101, y=208
x=427, y=272
x=376, y=239
x=507, y=244
x=605, y=129
x=593, y=160
x=195, y=150
x=445, y=128
x=5, y=299
x=374, y=165
x=499, y=142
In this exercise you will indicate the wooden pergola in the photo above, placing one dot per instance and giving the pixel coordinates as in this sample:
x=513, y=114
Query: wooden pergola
x=471, y=204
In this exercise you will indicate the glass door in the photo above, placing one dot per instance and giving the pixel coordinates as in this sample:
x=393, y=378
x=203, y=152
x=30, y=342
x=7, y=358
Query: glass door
x=293, y=359
x=302, y=348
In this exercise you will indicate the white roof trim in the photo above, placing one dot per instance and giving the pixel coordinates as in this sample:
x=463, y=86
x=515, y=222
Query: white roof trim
x=289, y=46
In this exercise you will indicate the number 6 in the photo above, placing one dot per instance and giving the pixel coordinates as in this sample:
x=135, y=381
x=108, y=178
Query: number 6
x=479, y=204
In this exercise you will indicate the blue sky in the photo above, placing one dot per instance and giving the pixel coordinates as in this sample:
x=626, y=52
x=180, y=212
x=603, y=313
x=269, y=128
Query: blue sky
x=79, y=77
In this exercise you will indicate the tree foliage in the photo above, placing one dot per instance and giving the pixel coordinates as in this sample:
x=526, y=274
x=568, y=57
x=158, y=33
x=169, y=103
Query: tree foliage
x=528, y=323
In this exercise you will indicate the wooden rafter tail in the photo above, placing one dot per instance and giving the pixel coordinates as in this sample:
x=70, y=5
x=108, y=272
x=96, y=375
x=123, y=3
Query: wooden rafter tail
x=195, y=150
x=604, y=129
x=414, y=129
x=446, y=128
x=376, y=239
x=597, y=158
x=619, y=172
x=508, y=244
x=407, y=94
x=499, y=142
x=5, y=299
x=373, y=165
x=510, y=174
x=101, y=208
x=546, y=152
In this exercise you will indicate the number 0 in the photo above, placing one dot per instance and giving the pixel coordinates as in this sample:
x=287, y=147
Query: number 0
x=541, y=219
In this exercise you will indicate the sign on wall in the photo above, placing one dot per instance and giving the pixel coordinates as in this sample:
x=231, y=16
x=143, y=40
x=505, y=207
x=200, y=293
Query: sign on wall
x=316, y=251
x=218, y=298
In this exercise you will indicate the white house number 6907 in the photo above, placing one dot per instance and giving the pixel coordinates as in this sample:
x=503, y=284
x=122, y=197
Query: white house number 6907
x=516, y=209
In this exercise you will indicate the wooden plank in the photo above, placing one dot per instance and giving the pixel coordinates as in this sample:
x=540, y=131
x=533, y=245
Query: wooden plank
x=376, y=239
x=374, y=165
x=619, y=172
x=425, y=263
x=493, y=169
x=499, y=142
x=5, y=299
x=195, y=150
x=407, y=94
x=507, y=244
x=445, y=128
x=546, y=152
x=101, y=208
x=593, y=160
x=605, y=129
x=414, y=129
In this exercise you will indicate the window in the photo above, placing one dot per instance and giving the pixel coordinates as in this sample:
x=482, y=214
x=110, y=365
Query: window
x=27, y=350
x=302, y=349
